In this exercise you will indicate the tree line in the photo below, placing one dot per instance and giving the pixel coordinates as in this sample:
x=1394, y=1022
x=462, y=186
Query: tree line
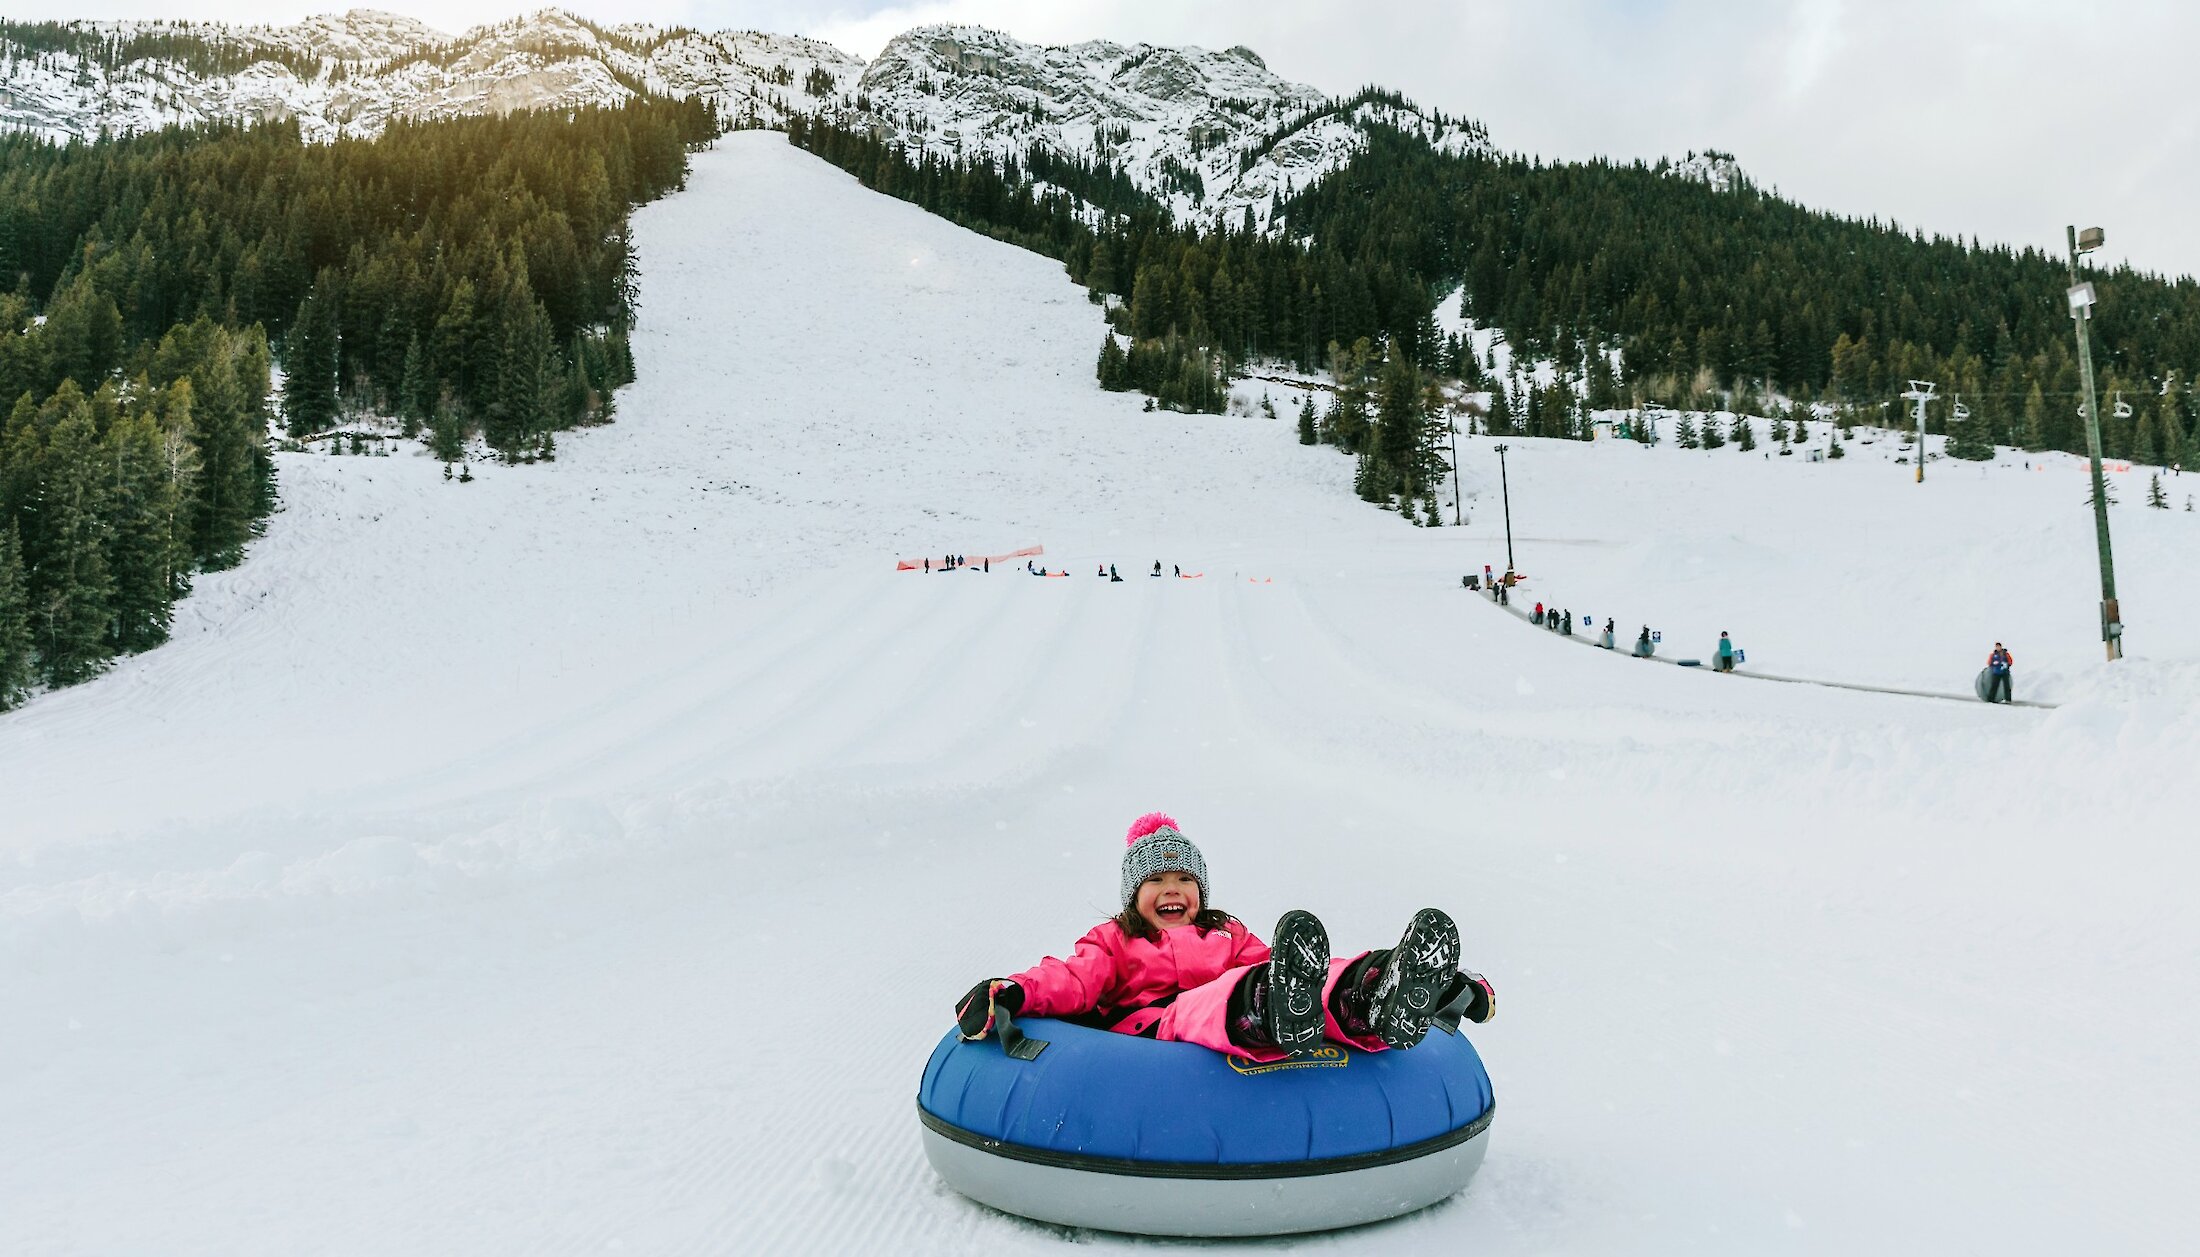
x=469, y=276
x=201, y=50
x=1642, y=287
x=1737, y=294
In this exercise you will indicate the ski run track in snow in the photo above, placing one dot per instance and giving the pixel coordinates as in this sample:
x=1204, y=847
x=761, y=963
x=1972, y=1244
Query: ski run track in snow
x=584, y=859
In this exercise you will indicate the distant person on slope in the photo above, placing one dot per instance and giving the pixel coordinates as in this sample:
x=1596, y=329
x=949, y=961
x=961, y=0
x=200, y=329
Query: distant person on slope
x=1157, y=567
x=1609, y=640
x=1170, y=967
x=1539, y=613
x=1643, y=645
x=1726, y=652
x=1997, y=665
x=1566, y=625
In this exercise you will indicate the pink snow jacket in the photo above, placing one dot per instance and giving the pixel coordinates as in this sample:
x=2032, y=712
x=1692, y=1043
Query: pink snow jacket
x=1110, y=971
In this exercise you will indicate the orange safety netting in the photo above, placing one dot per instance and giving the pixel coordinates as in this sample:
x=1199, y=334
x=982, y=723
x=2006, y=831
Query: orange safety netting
x=1028, y=552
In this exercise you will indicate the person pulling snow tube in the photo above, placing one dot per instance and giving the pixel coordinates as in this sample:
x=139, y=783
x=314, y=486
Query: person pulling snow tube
x=1034, y=1122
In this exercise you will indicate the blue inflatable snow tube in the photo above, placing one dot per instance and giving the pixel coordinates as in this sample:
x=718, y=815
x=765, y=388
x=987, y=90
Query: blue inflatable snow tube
x=1090, y=1128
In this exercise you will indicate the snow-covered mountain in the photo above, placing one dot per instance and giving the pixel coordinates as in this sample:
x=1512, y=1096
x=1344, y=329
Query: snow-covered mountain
x=1211, y=134
x=351, y=74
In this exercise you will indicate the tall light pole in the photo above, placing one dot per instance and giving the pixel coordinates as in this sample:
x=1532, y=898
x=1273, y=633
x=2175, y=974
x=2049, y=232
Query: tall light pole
x=2081, y=313
x=1506, y=482
x=1456, y=519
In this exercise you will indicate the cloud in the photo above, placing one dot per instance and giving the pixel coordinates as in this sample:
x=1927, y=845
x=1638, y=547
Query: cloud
x=1816, y=40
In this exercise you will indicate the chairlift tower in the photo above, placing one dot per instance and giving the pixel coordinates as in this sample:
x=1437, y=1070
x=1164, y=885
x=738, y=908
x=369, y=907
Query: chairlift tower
x=1921, y=391
x=2082, y=300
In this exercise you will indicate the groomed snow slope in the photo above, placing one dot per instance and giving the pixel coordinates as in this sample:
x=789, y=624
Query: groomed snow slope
x=585, y=858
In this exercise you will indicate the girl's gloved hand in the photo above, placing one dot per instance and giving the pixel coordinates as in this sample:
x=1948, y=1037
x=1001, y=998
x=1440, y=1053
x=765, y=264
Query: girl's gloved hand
x=1482, y=997
x=974, y=1012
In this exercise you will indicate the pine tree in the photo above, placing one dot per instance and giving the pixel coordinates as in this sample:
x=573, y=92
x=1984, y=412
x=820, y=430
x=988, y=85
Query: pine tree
x=1396, y=439
x=1348, y=426
x=1714, y=437
x=1744, y=435
x=71, y=591
x=182, y=472
x=142, y=550
x=2146, y=445
x=2035, y=419
x=1685, y=434
x=2155, y=497
x=1267, y=406
x=415, y=389
x=447, y=430
x=17, y=663
x=309, y=362
x=1113, y=369
x=1500, y=420
x=1307, y=434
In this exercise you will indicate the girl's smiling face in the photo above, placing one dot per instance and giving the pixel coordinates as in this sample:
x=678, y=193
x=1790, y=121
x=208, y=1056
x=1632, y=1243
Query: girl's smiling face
x=1168, y=898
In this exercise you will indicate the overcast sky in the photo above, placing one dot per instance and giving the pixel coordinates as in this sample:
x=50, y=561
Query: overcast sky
x=2004, y=119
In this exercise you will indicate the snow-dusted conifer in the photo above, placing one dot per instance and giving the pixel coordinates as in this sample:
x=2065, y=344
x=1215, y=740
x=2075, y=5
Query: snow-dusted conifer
x=309, y=361
x=72, y=588
x=16, y=660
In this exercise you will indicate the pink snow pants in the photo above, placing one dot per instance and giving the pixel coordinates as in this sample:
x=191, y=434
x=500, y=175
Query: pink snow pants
x=1201, y=1015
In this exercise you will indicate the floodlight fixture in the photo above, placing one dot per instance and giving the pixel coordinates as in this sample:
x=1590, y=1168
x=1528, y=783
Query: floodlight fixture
x=2090, y=239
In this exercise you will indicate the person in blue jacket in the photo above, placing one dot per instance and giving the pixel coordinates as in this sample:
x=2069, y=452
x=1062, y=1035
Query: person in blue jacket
x=1997, y=666
x=1726, y=652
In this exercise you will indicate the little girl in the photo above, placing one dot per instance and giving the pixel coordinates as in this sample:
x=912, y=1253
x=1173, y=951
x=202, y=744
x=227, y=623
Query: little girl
x=1170, y=967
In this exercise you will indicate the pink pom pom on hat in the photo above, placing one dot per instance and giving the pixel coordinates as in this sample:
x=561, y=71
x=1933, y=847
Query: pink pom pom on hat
x=1153, y=845
x=1148, y=823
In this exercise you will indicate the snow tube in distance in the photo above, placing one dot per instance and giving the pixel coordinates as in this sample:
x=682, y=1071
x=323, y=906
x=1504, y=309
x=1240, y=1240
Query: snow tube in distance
x=1120, y=1133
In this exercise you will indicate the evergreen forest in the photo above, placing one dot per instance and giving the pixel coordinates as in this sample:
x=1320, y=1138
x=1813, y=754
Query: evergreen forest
x=1641, y=287
x=472, y=277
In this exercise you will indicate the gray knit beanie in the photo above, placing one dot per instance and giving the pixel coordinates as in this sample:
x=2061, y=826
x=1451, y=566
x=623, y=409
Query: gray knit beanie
x=1155, y=845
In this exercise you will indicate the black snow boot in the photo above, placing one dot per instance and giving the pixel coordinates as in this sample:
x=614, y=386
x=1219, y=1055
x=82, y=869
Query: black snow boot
x=1393, y=995
x=1278, y=1006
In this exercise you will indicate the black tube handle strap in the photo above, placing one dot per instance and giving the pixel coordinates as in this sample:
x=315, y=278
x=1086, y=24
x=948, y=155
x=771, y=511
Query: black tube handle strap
x=1013, y=1040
